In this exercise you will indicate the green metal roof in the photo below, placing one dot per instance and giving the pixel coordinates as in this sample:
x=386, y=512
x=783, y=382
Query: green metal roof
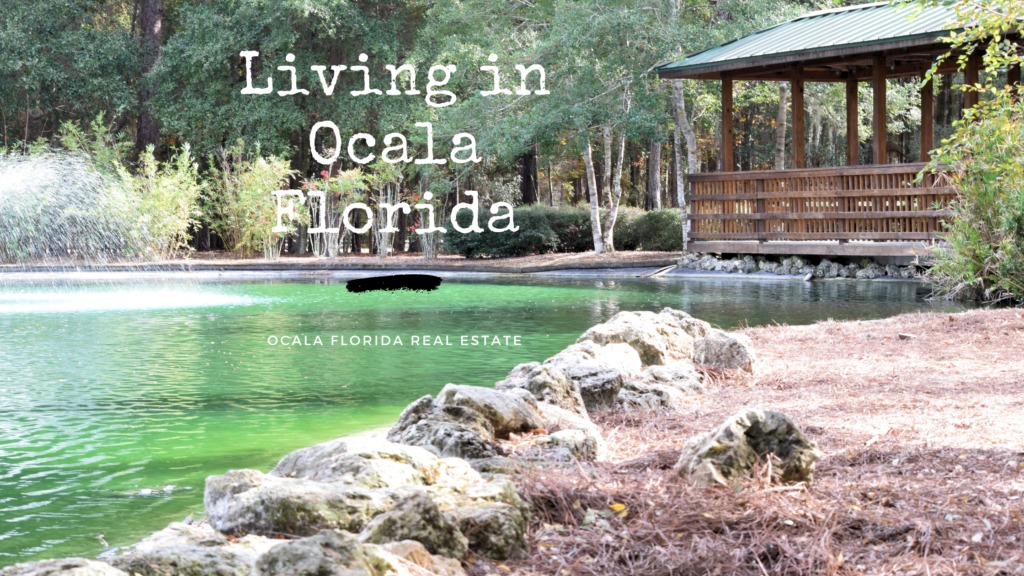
x=868, y=26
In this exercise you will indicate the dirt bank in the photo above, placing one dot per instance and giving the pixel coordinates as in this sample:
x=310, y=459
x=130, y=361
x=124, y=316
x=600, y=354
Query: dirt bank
x=222, y=261
x=922, y=473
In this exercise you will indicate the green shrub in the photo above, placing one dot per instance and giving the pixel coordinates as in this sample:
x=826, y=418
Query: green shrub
x=983, y=254
x=534, y=236
x=241, y=208
x=627, y=237
x=543, y=229
x=659, y=230
x=572, y=226
x=168, y=198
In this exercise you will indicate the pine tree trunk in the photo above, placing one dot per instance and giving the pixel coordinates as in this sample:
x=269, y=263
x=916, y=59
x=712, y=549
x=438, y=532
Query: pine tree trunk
x=151, y=39
x=653, y=199
x=528, y=176
x=551, y=192
x=780, y=127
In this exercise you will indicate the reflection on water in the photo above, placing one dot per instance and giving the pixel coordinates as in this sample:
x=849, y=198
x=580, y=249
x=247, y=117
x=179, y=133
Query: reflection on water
x=117, y=401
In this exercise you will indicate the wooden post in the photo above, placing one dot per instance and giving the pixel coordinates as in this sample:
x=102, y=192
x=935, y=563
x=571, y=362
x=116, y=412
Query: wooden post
x=927, y=120
x=852, y=123
x=727, y=135
x=759, y=207
x=971, y=78
x=878, y=125
x=797, y=107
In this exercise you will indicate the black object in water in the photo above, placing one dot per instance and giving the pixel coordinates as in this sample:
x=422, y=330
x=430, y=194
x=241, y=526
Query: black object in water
x=423, y=282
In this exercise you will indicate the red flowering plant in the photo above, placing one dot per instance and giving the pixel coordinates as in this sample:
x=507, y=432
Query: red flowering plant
x=339, y=188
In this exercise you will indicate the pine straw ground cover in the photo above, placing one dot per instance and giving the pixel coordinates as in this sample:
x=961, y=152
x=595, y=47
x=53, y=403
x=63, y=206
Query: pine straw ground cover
x=922, y=472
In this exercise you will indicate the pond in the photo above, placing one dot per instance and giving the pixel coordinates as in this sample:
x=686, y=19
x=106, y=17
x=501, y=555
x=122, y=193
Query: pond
x=118, y=398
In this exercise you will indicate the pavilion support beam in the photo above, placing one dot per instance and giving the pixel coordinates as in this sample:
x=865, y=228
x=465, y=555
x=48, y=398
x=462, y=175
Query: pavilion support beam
x=927, y=120
x=797, y=106
x=852, y=123
x=971, y=78
x=878, y=124
x=728, y=162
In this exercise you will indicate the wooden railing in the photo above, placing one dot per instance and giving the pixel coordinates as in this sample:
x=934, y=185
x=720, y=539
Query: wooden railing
x=879, y=202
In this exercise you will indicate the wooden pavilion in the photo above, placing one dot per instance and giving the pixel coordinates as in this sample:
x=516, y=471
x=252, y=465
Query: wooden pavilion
x=854, y=210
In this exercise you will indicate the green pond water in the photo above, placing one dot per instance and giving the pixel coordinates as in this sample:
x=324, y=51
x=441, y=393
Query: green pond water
x=117, y=399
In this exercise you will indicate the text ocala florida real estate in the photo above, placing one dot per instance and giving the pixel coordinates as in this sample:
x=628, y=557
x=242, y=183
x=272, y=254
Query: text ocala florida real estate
x=416, y=340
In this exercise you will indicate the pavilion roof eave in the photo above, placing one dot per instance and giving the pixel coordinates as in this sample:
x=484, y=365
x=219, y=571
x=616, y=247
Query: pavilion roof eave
x=761, y=67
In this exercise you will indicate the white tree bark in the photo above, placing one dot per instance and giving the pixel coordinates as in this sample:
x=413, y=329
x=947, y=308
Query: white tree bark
x=613, y=206
x=595, y=198
x=683, y=129
x=606, y=167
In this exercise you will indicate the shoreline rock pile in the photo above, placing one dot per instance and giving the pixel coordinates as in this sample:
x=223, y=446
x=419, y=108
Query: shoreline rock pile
x=865, y=269
x=437, y=489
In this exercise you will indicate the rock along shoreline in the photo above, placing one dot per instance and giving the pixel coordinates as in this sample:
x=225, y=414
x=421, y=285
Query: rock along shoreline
x=438, y=491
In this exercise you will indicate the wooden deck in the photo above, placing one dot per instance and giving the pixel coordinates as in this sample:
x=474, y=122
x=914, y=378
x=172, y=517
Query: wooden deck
x=876, y=210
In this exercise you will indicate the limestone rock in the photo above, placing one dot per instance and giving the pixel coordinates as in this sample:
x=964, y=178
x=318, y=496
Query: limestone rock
x=557, y=419
x=327, y=553
x=181, y=534
x=827, y=269
x=748, y=265
x=642, y=396
x=417, y=517
x=62, y=567
x=445, y=437
x=656, y=342
x=191, y=549
x=409, y=556
x=870, y=272
x=695, y=327
x=547, y=384
x=505, y=412
x=565, y=446
x=597, y=370
x=496, y=530
x=366, y=462
x=726, y=350
x=184, y=560
x=464, y=421
x=250, y=502
x=454, y=432
x=682, y=375
x=451, y=473
x=731, y=450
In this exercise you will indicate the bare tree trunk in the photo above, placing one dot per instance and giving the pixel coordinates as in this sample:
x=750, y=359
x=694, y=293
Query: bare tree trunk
x=150, y=25
x=613, y=205
x=551, y=193
x=780, y=127
x=683, y=129
x=595, y=199
x=606, y=163
x=653, y=199
x=528, y=176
